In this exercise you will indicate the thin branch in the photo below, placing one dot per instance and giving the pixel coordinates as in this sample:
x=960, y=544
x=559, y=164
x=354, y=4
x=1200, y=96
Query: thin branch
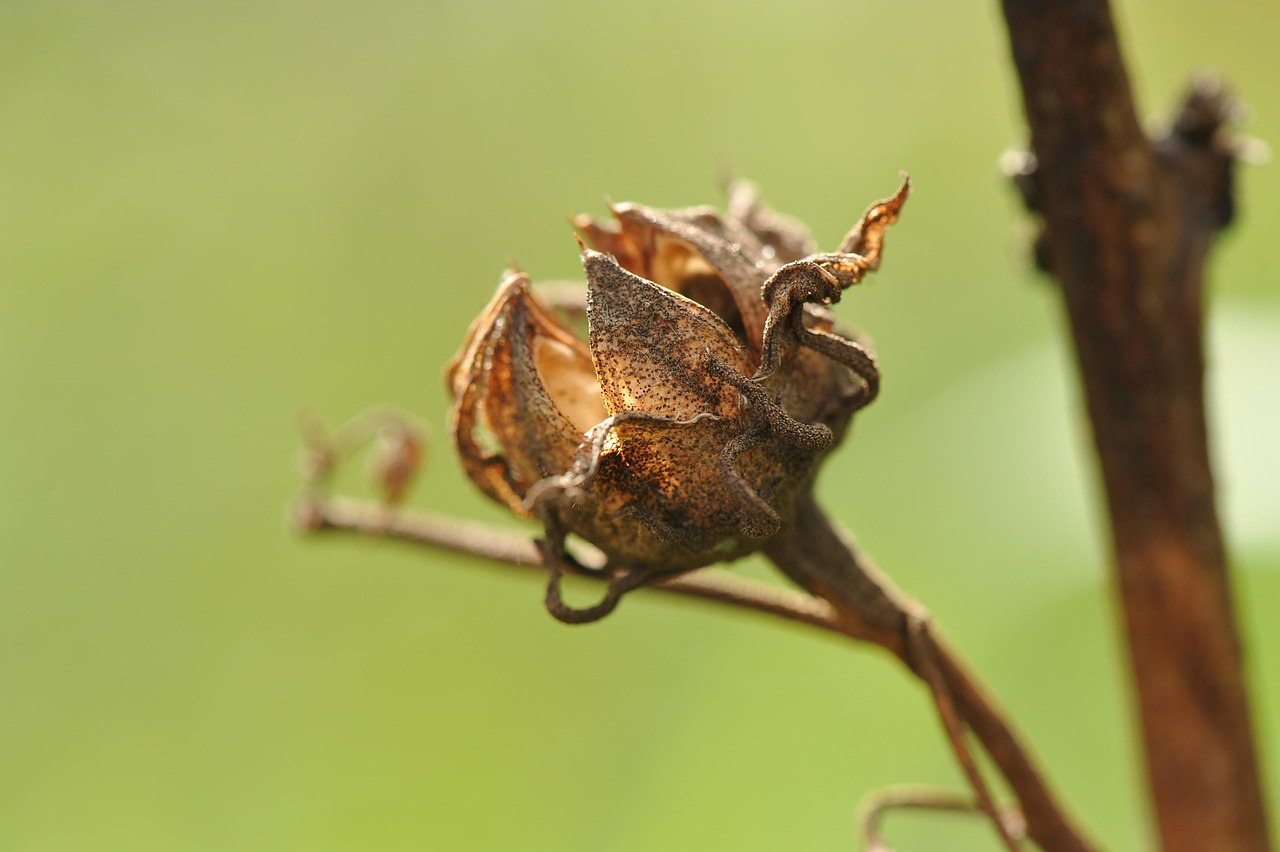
x=1128, y=224
x=849, y=597
x=343, y=515
x=878, y=806
x=923, y=649
x=815, y=555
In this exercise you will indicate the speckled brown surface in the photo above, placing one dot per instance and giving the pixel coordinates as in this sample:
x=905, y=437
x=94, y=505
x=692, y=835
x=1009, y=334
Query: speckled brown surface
x=711, y=384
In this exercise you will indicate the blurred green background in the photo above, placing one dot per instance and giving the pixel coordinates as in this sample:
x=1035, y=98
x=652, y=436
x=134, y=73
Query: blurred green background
x=213, y=213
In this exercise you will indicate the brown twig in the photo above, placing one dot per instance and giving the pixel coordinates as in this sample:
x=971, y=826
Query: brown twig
x=339, y=514
x=878, y=806
x=817, y=557
x=849, y=597
x=923, y=649
x=1128, y=224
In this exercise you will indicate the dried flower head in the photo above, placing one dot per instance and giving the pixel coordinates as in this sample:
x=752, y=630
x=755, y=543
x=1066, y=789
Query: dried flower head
x=712, y=382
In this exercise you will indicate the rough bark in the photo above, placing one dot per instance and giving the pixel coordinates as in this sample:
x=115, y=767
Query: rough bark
x=1128, y=223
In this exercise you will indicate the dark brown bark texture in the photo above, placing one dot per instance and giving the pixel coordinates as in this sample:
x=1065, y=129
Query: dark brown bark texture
x=1128, y=223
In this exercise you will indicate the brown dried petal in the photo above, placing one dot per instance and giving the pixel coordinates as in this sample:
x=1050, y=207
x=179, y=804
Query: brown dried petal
x=665, y=500
x=608, y=238
x=679, y=239
x=675, y=504
x=465, y=378
x=867, y=236
x=660, y=499
x=717, y=263
x=650, y=346
x=528, y=390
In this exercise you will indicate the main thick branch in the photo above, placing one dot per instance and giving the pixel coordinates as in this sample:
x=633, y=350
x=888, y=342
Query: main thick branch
x=1128, y=223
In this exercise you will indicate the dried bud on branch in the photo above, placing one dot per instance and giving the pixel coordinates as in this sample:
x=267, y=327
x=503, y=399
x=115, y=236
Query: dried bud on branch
x=712, y=383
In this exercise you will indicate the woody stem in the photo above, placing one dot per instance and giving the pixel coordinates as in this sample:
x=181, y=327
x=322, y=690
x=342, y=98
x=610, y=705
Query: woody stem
x=1129, y=222
x=815, y=555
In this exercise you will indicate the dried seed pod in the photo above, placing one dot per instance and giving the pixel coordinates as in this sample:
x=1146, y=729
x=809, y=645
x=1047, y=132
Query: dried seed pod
x=711, y=384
